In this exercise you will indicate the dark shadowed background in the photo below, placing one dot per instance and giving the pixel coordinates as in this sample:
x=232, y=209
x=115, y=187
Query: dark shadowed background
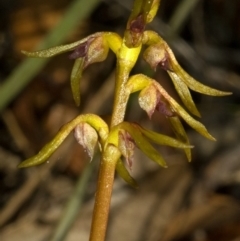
x=197, y=201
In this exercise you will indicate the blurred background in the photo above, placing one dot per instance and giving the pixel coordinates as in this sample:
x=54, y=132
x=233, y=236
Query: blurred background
x=197, y=201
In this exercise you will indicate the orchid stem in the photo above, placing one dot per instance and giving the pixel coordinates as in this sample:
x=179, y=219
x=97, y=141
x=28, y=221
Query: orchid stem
x=108, y=162
x=104, y=193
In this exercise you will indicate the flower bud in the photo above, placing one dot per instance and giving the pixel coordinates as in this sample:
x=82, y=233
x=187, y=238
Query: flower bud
x=87, y=137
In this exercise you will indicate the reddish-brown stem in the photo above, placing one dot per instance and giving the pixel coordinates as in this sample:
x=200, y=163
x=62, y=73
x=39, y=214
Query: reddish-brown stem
x=103, y=194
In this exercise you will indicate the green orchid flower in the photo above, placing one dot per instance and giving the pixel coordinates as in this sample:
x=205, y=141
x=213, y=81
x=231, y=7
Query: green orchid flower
x=160, y=54
x=85, y=52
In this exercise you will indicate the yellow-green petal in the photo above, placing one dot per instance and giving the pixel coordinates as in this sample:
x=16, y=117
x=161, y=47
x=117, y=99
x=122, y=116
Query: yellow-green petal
x=95, y=121
x=199, y=127
x=48, y=149
x=76, y=76
x=178, y=109
x=191, y=82
x=163, y=139
x=143, y=144
x=181, y=134
x=124, y=174
x=184, y=93
x=197, y=86
x=46, y=53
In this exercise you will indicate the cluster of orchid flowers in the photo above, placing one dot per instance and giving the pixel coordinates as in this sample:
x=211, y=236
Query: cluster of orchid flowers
x=90, y=129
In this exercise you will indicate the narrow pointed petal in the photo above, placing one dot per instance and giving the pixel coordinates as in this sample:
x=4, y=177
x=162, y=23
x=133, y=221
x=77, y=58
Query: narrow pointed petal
x=153, y=11
x=163, y=139
x=199, y=127
x=149, y=151
x=143, y=144
x=184, y=93
x=76, y=76
x=178, y=109
x=197, y=86
x=43, y=155
x=47, y=150
x=191, y=82
x=181, y=135
x=46, y=53
x=124, y=174
x=95, y=121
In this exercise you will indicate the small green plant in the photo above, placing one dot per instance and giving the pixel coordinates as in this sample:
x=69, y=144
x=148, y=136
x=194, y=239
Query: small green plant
x=119, y=139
